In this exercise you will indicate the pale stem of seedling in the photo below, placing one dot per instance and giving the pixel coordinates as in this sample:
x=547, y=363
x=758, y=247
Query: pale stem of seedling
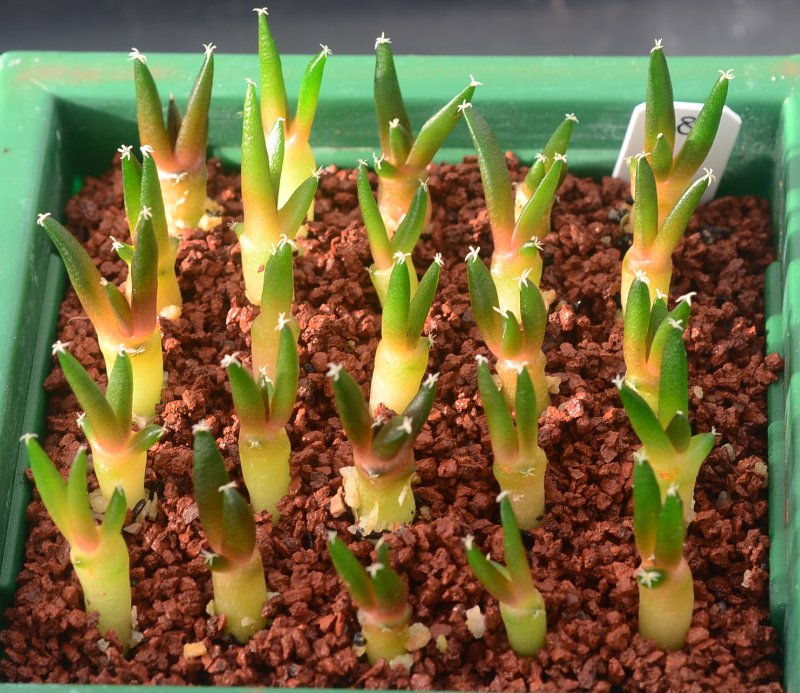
x=179, y=145
x=264, y=407
x=519, y=463
x=522, y=607
x=121, y=324
x=98, y=553
x=240, y=590
x=516, y=343
x=381, y=597
x=666, y=588
x=378, y=487
x=119, y=453
x=404, y=158
x=517, y=238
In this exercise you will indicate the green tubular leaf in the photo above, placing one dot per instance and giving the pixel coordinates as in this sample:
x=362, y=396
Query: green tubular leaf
x=497, y=584
x=120, y=309
x=636, y=324
x=436, y=129
x=671, y=530
x=557, y=144
x=658, y=314
x=534, y=176
x=388, y=97
x=83, y=274
x=151, y=197
x=352, y=573
x=394, y=435
x=511, y=341
x=483, y=298
x=308, y=98
x=190, y=145
x=399, y=142
x=278, y=288
x=516, y=558
x=247, y=399
x=353, y=410
x=83, y=530
x=209, y=476
x=119, y=393
x=173, y=121
x=396, y=305
x=679, y=432
x=100, y=414
x=149, y=113
x=645, y=206
x=533, y=313
x=115, y=514
x=131, y=187
x=495, y=177
x=144, y=280
x=421, y=302
x=379, y=244
x=146, y=438
x=276, y=148
x=502, y=431
x=124, y=251
x=385, y=168
x=701, y=137
x=673, y=395
x=539, y=205
x=50, y=485
x=646, y=505
x=659, y=106
x=644, y=421
x=699, y=448
x=661, y=157
x=675, y=224
x=274, y=104
x=238, y=527
x=391, y=592
x=681, y=311
x=410, y=228
x=286, y=380
x=258, y=192
x=292, y=213
x=527, y=413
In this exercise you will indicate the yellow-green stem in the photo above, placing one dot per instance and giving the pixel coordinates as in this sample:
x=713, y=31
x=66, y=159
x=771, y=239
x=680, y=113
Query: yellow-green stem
x=380, y=278
x=507, y=371
x=124, y=468
x=240, y=593
x=523, y=478
x=105, y=578
x=526, y=626
x=256, y=246
x=673, y=467
x=665, y=611
x=398, y=372
x=658, y=270
x=184, y=194
x=298, y=165
x=394, y=199
x=382, y=502
x=265, y=342
x=646, y=383
x=169, y=293
x=147, y=364
x=264, y=455
x=385, y=638
x=507, y=269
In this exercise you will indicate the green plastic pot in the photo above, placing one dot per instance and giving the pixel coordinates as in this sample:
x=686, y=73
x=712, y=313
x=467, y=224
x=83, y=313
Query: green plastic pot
x=62, y=116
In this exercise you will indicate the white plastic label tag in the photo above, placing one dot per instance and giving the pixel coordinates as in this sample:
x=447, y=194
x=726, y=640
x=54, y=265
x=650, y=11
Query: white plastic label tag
x=685, y=115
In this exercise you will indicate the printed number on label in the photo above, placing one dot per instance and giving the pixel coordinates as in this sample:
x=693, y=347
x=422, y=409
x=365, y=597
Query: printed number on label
x=686, y=124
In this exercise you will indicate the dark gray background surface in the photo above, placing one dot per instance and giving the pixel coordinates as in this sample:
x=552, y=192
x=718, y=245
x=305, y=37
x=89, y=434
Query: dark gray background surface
x=480, y=27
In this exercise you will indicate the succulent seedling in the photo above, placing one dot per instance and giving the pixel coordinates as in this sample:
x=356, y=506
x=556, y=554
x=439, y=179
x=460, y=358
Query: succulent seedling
x=516, y=342
x=517, y=238
x=378, y=487
x=401, y=357
x=298, y=158
x=666, y=588
x=267, y=221
x=119, y=453
x=98, y=553
x=522, y=607
x=179, y=144
x=647, y=327
x=405, y=158
x=667, y=441
x=381, y=597
x=142, y=190
x=119, y=322
x=519, y=463
x=263, y=406
x=240, y=590
x=384, y=249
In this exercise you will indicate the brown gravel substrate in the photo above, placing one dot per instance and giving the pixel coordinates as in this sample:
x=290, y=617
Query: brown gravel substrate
x=583, y=553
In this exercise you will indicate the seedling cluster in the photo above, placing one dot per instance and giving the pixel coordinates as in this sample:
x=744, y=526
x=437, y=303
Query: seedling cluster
x=166, y=194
